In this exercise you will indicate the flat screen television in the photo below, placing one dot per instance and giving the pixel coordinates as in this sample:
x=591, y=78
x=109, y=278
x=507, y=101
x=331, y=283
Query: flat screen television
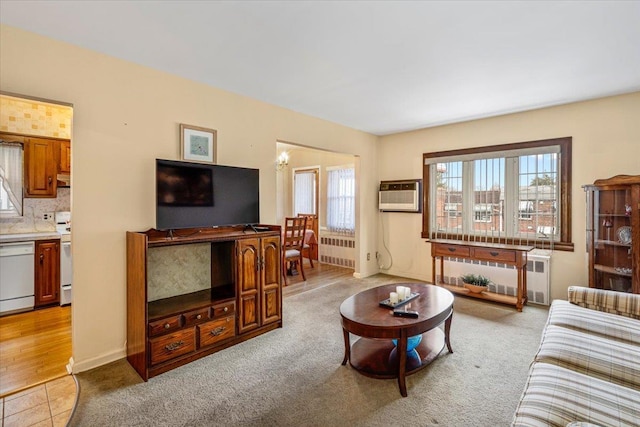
x=192, y=195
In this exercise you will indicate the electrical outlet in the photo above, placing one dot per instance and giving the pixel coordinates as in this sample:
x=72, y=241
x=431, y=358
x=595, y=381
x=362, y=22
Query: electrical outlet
x=368, y=256
x=47, y=216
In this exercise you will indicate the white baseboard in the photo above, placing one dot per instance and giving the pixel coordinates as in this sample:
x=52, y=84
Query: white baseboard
x=94, y=362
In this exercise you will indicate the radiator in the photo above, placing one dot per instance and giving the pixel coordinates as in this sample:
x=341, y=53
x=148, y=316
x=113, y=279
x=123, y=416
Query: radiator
x=337, y=249
x=503, y=277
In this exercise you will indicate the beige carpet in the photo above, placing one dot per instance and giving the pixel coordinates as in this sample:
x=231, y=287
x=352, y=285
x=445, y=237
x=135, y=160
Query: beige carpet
x=293, y=376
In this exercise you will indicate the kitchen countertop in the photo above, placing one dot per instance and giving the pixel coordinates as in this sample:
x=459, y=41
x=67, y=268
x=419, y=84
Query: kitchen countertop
x=28, y=237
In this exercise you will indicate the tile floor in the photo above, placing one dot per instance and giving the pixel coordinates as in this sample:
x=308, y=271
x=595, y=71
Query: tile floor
x=49, y=404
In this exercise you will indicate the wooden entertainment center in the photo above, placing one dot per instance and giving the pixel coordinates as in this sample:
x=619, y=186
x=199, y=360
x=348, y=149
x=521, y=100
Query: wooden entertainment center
x=171, y=323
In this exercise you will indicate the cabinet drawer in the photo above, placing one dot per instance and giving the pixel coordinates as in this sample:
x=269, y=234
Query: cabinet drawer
x=216, y=330
x=168, y=324
x=172, y=345
x=451, y=250
x=196, y=316
x=223, y=309
x=498, y=255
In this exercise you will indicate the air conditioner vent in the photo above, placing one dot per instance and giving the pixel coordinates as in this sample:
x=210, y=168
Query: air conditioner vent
x=400, y=196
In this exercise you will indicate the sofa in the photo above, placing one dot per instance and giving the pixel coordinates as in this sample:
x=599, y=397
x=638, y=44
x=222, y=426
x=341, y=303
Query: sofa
x=587, y=369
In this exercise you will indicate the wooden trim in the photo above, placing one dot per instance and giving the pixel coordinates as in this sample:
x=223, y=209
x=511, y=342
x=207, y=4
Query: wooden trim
x=501, y=148
x=28, y=135
x=617, y=180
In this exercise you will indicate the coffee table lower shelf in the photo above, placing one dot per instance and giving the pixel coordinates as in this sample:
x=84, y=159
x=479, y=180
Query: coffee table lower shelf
x=486, y=295
x=377, y=358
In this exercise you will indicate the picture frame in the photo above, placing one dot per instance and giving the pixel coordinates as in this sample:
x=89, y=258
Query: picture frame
x=198, y=144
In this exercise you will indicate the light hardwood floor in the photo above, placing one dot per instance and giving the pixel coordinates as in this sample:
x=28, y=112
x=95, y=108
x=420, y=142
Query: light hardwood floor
x=319, y=276
x=35, y=347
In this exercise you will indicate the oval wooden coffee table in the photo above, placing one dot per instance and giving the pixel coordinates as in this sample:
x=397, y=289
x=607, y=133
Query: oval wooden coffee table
x=374, y=354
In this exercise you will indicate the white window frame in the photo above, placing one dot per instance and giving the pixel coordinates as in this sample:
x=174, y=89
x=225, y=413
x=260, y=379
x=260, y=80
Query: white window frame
x=561, y=147
x=315, y=170
x=347, y=227
x=9, y=209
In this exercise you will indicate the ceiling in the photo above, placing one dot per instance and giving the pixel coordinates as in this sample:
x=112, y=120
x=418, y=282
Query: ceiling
x=378, y=66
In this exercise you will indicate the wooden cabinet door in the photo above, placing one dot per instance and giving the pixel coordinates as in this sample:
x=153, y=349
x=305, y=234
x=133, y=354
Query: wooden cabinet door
x=47, y=273
x=64, y=166
x=40, y=167
x=248, y=284
x=270, y=277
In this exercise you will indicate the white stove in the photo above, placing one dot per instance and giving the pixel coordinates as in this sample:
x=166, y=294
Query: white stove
x=63, y=227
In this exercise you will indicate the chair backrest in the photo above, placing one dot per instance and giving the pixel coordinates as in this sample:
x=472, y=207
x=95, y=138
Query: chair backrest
x=312, y=222
x=293, y=236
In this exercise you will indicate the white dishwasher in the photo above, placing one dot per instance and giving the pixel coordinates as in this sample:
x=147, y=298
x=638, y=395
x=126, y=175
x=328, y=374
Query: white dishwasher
x=17, y=276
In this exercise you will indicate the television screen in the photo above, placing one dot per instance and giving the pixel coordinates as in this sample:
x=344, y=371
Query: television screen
x=191, y=195
x=184, y=186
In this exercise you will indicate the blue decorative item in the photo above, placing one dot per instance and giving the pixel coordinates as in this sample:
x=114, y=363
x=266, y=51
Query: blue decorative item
x=412, y=342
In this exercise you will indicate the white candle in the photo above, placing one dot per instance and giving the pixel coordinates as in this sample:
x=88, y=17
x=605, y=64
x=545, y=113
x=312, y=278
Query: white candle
x=400, y=292
x=393, y=297
x=407, y=292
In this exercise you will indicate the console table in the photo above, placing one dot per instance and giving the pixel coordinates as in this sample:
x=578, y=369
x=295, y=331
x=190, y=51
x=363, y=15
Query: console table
x=515, y=255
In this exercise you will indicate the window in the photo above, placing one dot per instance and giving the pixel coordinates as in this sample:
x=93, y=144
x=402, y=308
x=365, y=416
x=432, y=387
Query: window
x=305, y=191
x=513, y=193
x=11, y=163
x=341, y=200
x=452, y=210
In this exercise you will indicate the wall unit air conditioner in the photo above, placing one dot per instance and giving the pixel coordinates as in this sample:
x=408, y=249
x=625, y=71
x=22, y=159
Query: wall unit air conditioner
x=400, y=196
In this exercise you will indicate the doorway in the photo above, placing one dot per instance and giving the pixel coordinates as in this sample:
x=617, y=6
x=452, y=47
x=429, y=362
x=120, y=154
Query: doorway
x=336, y=237
x=35, y=346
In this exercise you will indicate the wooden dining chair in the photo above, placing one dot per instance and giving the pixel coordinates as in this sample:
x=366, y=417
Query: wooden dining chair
x=292, y=242
x=307, y=251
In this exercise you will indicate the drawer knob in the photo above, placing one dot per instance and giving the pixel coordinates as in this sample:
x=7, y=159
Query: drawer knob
x=199, y=316
x=451, y=249
x=217, y=331
x=226, y=309
x=167, y=325
x=174, y=345
x=494, y=253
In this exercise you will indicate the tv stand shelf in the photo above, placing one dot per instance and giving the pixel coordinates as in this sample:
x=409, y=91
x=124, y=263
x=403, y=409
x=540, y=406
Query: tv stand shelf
x=171, y=321
x=191, y=301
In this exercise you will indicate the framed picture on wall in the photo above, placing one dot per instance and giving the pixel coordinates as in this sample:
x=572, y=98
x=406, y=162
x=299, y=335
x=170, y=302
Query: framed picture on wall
x=197, y=144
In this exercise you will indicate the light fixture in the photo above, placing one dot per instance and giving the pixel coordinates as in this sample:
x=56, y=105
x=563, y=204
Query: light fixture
x=283, y=161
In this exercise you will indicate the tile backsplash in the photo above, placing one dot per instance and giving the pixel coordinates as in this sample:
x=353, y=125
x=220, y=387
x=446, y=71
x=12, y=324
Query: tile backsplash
x=34, y=210
x=35, y=118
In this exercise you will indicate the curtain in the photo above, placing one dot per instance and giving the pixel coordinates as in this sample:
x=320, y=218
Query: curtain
x=341, y=200
x=304, y=192
x=11, y=173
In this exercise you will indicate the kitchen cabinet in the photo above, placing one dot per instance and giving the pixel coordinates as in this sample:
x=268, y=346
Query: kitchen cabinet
x=64, y=165
x=241, y=297
x=40, y=167
x=613, y=233
x=44, y=159
x=47, y=272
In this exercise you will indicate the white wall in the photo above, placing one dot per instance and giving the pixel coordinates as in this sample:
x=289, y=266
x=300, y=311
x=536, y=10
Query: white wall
x=606, y=142
x=125, y=116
